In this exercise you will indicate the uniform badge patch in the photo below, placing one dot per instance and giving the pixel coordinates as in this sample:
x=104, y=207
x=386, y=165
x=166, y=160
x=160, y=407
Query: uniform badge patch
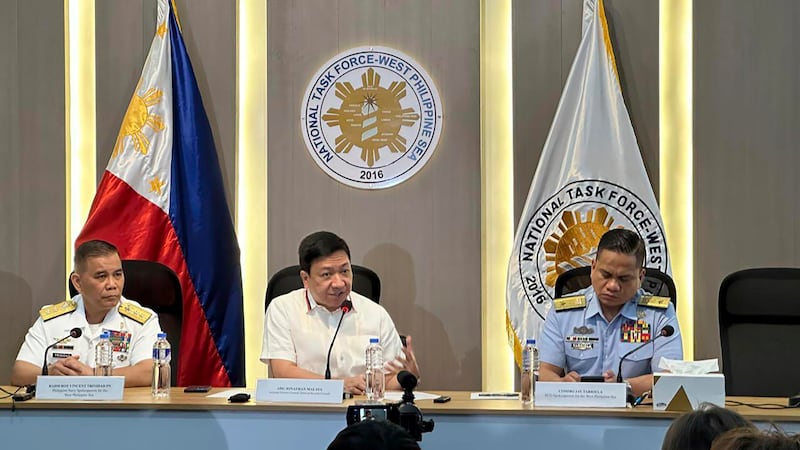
x=120, y=340
x=635, y=331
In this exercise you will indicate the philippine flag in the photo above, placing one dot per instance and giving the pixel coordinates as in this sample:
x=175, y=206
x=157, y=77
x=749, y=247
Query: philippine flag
x=161, y=199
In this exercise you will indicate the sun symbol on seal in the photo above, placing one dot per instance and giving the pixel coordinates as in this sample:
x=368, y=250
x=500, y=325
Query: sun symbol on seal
x=136, y=118
x=574, y=243
x=370, y=117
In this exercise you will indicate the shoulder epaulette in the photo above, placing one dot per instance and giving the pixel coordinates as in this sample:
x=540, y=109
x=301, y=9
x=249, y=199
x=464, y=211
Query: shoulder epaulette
x=654, y=301
x=134, y=312
x=567, y=303
x=59, y=309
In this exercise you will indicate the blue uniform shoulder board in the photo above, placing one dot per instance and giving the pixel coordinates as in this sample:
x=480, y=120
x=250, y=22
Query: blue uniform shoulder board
x=567, y=303
x=654, y=301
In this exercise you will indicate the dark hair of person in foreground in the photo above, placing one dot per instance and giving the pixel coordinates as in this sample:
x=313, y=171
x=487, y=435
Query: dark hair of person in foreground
x=374, y=435
x=755, y=439
x=696, y=430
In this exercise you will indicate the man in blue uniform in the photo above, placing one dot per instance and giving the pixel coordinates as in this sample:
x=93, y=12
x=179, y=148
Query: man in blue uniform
x=586, y=334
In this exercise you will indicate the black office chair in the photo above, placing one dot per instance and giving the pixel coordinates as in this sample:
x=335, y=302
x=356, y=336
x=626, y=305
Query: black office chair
x=365, y=282
x=155, y=286
x=655, y=282
x=759, y=325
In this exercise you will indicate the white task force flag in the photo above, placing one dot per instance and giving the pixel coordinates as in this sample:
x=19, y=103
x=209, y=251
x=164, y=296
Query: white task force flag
x=590, y=178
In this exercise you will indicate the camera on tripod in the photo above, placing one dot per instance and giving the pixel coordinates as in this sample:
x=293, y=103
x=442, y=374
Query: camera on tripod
x=405, y=414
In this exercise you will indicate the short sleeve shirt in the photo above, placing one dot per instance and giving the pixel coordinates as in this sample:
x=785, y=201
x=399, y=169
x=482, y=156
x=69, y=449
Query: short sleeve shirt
x=132, y=341
x=299, y=330
x=582, y=340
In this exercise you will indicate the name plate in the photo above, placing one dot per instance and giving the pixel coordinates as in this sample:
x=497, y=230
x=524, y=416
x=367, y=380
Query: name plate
x=79, y=388
x=297, y=390
x=580, y=395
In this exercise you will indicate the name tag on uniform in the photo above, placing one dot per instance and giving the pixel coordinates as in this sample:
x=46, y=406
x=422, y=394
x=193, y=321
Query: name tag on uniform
x=79, y=388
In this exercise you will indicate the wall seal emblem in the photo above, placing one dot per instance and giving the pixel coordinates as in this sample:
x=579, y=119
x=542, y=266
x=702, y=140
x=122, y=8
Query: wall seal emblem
x=563, y=233
x=371, y=117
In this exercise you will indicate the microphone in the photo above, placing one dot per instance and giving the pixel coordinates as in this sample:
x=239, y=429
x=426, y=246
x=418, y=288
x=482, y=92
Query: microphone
x=74, y=333
x=668, y=330
x=407, y=380
x=346, y=306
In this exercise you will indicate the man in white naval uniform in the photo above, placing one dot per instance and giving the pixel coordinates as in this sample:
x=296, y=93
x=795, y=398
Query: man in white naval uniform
x=99, y=307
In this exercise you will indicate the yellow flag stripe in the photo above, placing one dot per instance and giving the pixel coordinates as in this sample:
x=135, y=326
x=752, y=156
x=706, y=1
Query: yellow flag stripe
x=514, y=340
x=607, y=39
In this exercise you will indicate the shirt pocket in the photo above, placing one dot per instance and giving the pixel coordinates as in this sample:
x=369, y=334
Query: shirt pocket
x=583, y=361
x=309, y=348
x=639, y=362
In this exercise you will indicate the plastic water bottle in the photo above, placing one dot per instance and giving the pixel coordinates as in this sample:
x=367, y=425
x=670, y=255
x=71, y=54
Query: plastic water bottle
x=103, y=356
x=530, y=364
x=376, y=380
x=161, y=368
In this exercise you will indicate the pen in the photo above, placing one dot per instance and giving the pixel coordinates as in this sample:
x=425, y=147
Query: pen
x=498, y=394
x=641, y=398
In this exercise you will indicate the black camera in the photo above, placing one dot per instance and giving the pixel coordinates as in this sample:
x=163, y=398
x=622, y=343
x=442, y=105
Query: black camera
x=405, y=414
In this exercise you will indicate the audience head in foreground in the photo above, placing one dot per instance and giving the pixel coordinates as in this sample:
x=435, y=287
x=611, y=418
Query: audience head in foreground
x=696, y=430
x=374, y=435
x=755, y=439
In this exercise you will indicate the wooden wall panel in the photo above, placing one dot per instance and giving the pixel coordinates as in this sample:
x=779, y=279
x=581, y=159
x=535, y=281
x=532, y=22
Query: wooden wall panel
x=423, y=236
x=32, y=180
x=746, y=67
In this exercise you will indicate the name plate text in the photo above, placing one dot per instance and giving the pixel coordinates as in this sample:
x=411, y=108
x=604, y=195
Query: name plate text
x=580, y=395
x=299, y=390
x=79, y=388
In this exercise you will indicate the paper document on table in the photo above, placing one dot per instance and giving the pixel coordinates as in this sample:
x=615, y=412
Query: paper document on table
x=493, y=395
x=396, y=396
x=228, y=392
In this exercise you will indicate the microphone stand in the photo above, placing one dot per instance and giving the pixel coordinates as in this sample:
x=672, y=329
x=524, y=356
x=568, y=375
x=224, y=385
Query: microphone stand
x=346, y=305
x=666, y=331
x=73, y=333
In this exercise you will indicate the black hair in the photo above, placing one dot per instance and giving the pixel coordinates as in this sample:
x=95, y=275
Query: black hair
x=696, y=430
x=319, y=245
x=623, y=241
x=373, y=435
x=92, y=249
x=755, y=439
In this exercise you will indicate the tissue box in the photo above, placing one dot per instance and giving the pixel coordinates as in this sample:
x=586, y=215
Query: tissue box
x=676, y=392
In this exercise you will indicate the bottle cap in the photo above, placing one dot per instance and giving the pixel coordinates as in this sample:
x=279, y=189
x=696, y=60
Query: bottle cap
x=374, y=340
x=531, y=342
x=162, y=335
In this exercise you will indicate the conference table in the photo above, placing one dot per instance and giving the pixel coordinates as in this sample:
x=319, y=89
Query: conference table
x=195, y=421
